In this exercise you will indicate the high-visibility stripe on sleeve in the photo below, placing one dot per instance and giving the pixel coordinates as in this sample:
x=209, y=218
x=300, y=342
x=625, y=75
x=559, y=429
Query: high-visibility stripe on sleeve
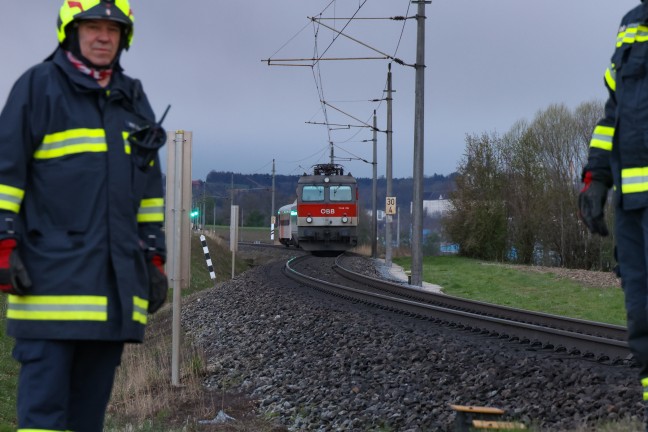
x=151, y=210
x=58, y=308
x=644, y=384
x=602, y=137
x=610, y=77
x=11, y=198
x=632, y=33
x=634, y=180
x=73, y=141
x=140, y=310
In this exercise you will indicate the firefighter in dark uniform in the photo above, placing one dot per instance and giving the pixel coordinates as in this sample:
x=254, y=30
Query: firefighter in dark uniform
x=81, y=213
x=618, y=158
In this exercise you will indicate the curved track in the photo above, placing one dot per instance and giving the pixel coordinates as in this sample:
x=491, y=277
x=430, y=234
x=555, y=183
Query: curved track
x=602, y=342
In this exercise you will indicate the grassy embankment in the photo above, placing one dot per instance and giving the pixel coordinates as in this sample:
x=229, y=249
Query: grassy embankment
x=144, y=400
x=506, y=285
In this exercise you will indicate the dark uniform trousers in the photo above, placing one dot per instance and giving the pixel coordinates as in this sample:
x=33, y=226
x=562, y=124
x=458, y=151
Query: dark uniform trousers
x=632, y=247
x=65, y=385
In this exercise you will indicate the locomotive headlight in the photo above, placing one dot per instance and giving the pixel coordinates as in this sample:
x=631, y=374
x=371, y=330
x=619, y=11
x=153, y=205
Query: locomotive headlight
x=345, y=219
x=309, y=219
x=326, y=179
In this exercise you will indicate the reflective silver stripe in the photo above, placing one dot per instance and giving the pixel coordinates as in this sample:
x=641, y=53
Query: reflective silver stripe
x=140, y=310
x=11, y=198
x=634, y=180
x=610, y=77
x=151, y=210
x=72, y=141
x=602, y=137
x=633, y=33
x=58, y=308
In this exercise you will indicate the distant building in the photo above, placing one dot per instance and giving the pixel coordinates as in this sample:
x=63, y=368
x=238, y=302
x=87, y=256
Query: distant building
x=435, y=208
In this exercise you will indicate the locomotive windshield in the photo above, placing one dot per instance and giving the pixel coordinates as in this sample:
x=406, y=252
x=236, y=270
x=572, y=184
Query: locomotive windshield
x=313, y=193
x=341, y=193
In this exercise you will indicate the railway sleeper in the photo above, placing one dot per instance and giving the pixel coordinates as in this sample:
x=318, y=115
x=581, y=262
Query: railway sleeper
x=470, y=418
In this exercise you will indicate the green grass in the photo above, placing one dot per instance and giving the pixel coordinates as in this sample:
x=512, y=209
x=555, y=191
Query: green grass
x=504, y=285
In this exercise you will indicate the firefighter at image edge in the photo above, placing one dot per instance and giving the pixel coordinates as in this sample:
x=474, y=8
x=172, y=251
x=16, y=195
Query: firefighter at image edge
x=81, y=213
x=618, y=159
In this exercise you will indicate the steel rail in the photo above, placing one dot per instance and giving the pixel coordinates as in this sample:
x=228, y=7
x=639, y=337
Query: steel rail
x=605, y=330
x=589, y=346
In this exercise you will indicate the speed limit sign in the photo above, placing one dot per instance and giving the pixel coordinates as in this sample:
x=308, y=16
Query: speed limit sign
x=390, y=206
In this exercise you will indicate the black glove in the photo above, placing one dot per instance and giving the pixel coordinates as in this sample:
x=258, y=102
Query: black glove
x=591, y=203
x=13, y=275
x=158, y=284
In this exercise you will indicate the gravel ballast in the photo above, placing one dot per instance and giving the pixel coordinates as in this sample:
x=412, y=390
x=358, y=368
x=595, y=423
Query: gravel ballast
x=321, y=364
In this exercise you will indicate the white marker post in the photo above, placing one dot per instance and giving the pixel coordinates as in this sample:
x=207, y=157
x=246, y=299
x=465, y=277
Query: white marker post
x=210, y=267
x=234, y=216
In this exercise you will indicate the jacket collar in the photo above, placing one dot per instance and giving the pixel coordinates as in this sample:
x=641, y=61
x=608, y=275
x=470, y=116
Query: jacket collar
x=83, y=82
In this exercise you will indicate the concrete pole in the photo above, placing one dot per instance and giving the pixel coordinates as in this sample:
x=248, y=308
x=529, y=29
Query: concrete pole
x=374, y=191
x=419, y=142
x=272, y=211
x=176, y=279
x=388, y=169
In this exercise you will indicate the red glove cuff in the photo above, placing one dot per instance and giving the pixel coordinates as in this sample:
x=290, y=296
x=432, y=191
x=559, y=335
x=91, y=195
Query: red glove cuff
x=159, y=263
x=587, y=180
x=6, y=247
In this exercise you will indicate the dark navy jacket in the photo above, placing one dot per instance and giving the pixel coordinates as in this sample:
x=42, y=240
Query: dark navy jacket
x=619, y=146
x=82, y=212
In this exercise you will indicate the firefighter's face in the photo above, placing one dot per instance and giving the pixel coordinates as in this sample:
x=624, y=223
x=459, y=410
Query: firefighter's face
x=99, y=41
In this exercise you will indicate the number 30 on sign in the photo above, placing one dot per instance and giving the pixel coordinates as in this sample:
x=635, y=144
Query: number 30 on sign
x=390, y=206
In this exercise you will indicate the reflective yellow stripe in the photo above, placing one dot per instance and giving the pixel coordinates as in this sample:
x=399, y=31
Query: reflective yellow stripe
x=72, y=141
x=41, y=430
x=11, y=198
x=631, y=34
x=634, y=180
x=151, y=210
x=644, y=383
x=140, y=309
x=610, y=77
x=602, y=137
x=58, y=308
x=127, y=147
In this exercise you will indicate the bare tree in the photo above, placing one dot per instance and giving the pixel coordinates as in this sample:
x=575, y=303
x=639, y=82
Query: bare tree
x=521, y=190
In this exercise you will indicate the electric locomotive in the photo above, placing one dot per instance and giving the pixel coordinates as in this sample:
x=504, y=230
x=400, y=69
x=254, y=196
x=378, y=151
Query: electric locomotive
x=327, y=210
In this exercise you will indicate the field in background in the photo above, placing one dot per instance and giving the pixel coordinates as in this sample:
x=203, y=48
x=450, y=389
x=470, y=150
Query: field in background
x=246, y=234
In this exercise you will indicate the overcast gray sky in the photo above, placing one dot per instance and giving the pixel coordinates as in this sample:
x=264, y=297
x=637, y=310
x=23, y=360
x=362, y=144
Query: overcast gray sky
x=489, y=63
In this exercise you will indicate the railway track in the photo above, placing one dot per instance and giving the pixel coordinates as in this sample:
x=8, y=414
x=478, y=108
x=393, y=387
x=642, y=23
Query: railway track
x=598, y=341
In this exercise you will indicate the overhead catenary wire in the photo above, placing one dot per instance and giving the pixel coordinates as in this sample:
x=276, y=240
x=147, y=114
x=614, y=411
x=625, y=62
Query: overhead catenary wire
x=319, y=55
x=397, y=60
x=344, y=27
